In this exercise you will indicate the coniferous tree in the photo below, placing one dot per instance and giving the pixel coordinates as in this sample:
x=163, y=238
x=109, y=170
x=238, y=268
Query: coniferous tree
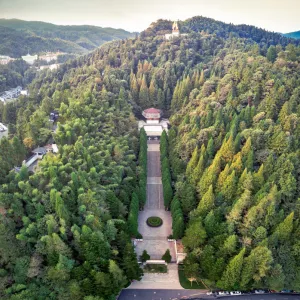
x=192, y=163
x=231, y=276
x=167, y=256
x=144, y=99
x=207, y=202
x=198, y=171
x=272, y=54
x=145, y=256
x=211, y=148
x=153, y=93
x=130, y=264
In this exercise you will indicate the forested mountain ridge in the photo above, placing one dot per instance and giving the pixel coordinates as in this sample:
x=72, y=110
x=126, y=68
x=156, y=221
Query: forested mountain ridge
x=294, y=35
x=233, y=149
x=210, y=26
x=19, y=37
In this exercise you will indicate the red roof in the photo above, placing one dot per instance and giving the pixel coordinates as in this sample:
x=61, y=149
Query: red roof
x=152, y=111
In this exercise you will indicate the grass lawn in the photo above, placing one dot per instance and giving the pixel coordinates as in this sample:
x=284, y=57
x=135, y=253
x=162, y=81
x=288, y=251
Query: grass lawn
x=187, y=284
x=155, y=269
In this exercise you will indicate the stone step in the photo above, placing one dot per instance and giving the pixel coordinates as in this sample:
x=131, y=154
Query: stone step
x=155, y=238
x=154, y=180
x=153, y=148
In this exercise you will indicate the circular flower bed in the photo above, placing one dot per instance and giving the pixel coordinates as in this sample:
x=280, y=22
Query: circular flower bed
x=154, y=221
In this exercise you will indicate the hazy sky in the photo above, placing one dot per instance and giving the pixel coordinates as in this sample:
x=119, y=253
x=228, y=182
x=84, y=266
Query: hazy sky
x=133, y=15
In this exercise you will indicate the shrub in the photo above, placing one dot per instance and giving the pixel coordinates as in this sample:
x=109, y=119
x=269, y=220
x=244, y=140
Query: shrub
x=139, y=236
x=167, y=256
x=154, y=221
x=145, y=256
x=155, y=269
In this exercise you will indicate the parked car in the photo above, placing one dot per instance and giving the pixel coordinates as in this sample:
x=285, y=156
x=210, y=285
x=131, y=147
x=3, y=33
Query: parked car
x=223, y=293
x=245, y=292
x=209, y=293
x=235, y=293
x=286, y=291
x=259, y=292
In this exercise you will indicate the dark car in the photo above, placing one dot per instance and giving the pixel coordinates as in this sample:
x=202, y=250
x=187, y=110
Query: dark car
x=287, y=291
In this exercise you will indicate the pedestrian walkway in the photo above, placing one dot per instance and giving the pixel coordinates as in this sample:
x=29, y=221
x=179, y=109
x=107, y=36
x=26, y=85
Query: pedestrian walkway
x=166, y=281
x=155, y=240
x=155, y=207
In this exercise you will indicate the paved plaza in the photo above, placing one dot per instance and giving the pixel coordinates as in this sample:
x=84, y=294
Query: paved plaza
x=169, y=280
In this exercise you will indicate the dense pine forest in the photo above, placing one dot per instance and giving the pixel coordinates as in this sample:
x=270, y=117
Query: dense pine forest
x=230, y=163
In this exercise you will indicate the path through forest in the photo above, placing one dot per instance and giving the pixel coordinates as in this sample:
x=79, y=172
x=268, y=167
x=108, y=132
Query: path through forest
x=155, y=240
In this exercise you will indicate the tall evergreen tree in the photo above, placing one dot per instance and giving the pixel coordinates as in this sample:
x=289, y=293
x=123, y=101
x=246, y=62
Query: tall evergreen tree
x=207, y=202
x=144, y=99
x=231, y=276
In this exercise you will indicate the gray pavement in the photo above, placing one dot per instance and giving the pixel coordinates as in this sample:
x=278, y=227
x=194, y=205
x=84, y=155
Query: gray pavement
x=155, y=240
x=162, y=281
x=262, y=297
x=195, y=294
x=159, y=294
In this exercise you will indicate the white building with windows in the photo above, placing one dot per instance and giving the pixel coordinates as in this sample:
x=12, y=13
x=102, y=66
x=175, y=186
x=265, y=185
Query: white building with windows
x=50, y=56
x=30, y=59
x=50, y=67
x=3, y=131
x=11, y=94
x=4, y=60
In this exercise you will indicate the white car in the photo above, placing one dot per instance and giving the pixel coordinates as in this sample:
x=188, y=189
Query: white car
x=235, y=293
x=209, y=293
x=259, y=292
x=223, y=293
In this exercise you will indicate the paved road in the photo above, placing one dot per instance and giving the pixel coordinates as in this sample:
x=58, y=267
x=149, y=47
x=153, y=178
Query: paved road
x=194, y=294
x=262, y=297
x=159, y=294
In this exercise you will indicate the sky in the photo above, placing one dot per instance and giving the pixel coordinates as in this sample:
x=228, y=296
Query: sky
x=134, y=15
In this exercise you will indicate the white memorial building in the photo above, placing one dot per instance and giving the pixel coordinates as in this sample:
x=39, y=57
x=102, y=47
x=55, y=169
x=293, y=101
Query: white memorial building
x=154, y=125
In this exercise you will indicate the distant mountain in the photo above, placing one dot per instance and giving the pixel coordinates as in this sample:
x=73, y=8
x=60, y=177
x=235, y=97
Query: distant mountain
x=19, y=37
x=294, y=35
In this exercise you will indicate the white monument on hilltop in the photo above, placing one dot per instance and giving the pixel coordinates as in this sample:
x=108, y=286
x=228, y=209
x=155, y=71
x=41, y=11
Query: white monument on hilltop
x=175, y=31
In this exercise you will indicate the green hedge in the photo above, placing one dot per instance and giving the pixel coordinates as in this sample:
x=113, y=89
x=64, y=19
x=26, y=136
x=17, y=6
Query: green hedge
x=154, y=221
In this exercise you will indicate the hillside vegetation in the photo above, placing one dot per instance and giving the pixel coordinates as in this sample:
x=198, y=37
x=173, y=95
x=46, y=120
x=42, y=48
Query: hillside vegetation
x=19, y=37
x=233, y=152
x=238, y=131
x=294, y=35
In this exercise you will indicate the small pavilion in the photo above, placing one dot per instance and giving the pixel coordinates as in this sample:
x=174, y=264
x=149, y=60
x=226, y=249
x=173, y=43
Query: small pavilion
x=154, y=125
x=152, y=115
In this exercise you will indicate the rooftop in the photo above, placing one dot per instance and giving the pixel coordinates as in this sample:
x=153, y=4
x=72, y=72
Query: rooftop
x=152, y=111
